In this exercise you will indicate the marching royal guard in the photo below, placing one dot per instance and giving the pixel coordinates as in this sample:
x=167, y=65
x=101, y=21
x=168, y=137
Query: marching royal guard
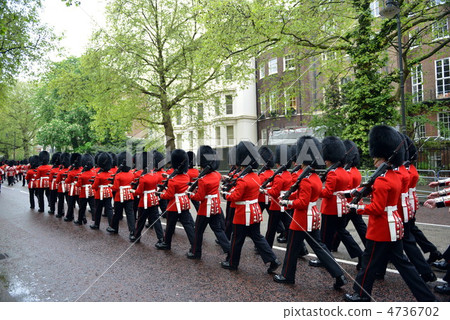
x=73, y=191
x=280, y=184
x=53, y=189
x=179, y=203
x=248, y=216
x=421, y=240
x=148, y=200
x=193, y=174
x=138, y=171
x=61, y=183
x=385, y=227
x=352, y=161
x=230, y=206
x=102, y=190
x=43, y=178
x=84, y=184
x=10, y=172
x=265, y=173
x=333, y=209
x=25, y=167
x=305, y=223
x=207, y=194
x=123, y=199
x=31, y=179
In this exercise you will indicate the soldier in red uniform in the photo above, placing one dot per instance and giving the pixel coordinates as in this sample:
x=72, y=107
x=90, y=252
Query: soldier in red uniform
x=207, y=194
x=248, y=216
x=179, y=203
x=230, y=207
x=31, y=179
x=333, y=209
x=73, y=191
x=102, y=190
x=385, y=228
x=280, y=184
x=193, y=174
x=53, y=189
x=146, y=191
x=84, y=184
x=305, y=223
x=61, y=183
x=43, y=177
x=123, y=199
x=265, y=173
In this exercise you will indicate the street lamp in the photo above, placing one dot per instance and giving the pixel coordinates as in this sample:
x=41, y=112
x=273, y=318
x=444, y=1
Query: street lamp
x=390, y=11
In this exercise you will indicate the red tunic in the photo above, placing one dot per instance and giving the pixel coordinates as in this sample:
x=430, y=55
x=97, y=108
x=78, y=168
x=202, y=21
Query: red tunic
x=263, y=177
x=61, y=180
x=245, y=196
x=31, y=178
x=193, y=174
x=101, y=186
x=146, y=190
x=71, y=181
x=53, y=176
x=175, y=193
x=403, y=205
x=85, y=185
x=122, y=186
x=306, y=215
x=337, y=180
x=43, y=176
x=413, y=180
x=208, y=194
x=355, y=177
x=282, y=182
x=384, y=221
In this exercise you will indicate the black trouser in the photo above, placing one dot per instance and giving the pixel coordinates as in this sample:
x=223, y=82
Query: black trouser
x=23, y=182
x=53, y=197
x=99, y=205
x=32, y=194
x=412, y=252
x=152, y=215
x=421, y=239
x=61, y=197
x=40, y=194
x=10, y=181
x=332, y=224
x=82, y=202
x=71, y=201
x=375, y=256
x=229, y=216
x=136, y=207
x=274, y=219
x=358, y=223
x=446, y=256
x=119, y=207
x=187, y=222
x=196, y=204
x=214, y=223
x=240, y=232
x=163, y=205
x=294, y=248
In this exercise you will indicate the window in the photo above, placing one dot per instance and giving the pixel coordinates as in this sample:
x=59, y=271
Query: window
x=289, y=62
x=417, y=83
x=417, y=39
x=443, y=78
x=421, y=132
x=262, y=105
x=444, y=124
x=273, y=104
x=230, y=135
x=228, y=74
x=200, y=111
x=273, y=66
x=217, y=106
x=440, y=29
x=229, y=104
x=178, y=114
x=200, y=136
x=218, y=138
x=262, y=71
x=375, y=8
x=291, y=102
x=179, y=141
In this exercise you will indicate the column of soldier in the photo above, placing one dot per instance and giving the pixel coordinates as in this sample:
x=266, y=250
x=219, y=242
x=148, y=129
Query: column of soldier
x=289, y=196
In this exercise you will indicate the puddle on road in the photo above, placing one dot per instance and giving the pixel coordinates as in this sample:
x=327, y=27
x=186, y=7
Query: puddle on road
x=14, y=290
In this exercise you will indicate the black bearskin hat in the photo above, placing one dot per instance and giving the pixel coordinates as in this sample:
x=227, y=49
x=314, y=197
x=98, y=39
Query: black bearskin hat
x=333, y=149
x=352, y=156
x=267, y=155
x=285, y=155
x=34, y=162
x=87, y=161
x=247, y=155
x=104, y=161
x=65, y=159
x=113, y=159
x=122, y=161
x=232, y=156
x=158, y=160
x=412, y=149
x=56, y=159
x=179, y=160
x=308, y=149
x=383, y=141
x=96, y=157
x=44, y=157
x=192, y=159
x=75, y=159
x=207, y=156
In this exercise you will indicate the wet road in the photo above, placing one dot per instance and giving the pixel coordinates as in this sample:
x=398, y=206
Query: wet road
x=52, y=260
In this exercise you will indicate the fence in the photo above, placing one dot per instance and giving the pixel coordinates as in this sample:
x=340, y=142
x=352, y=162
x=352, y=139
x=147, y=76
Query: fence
x=436, y=158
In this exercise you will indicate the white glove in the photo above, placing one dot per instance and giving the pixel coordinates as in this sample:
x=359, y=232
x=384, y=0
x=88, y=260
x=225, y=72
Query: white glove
x=225, y=193
x=261, y=190
x=189, y=193
x=355, y=206
x=286, y=203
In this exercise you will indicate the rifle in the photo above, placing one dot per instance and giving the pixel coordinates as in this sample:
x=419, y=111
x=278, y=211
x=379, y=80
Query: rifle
x=176, y=171
x=233, y=182
x=264, y=168
x=279, y=170
x=323, y=176
x=204, y=172
x=298, y=167
x=296, y=184
x=229, y=176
